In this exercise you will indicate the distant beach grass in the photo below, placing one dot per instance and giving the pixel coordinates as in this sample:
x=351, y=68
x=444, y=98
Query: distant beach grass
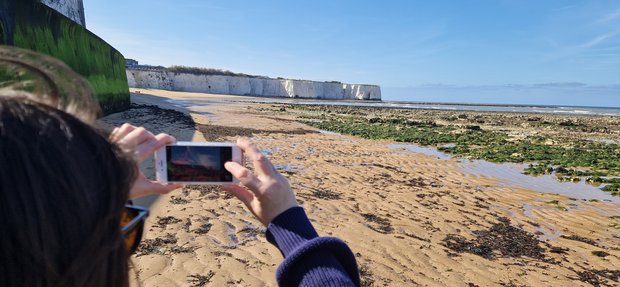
x=569, y=160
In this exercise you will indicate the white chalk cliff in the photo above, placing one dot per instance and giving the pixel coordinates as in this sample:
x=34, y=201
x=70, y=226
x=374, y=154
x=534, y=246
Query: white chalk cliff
x=73, y=9
x=250, y=86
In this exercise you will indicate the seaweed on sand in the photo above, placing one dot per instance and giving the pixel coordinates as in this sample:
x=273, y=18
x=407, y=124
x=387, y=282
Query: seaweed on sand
x=178, y=200
x=155, y=246
x=204, y=228
x=600, y=253
x=164, y=245
x=366, y=277
x=511, y=284
x=599, y=277
x=326, y=194
x=198, y=280
x=215, y=132
x=570, y=158
x=581, y=239
x=162, y=222
x=204, y=190
x=141, y=114
x=378, y=224
x=500, y=240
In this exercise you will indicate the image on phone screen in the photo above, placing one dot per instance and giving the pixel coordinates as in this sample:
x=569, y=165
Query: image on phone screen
x=198, y=163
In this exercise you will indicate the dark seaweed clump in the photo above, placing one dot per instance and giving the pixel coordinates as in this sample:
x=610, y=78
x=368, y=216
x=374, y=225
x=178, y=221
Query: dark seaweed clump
x=511, y=284
x=164, y=245
x=599, y=277
x=163, y=222
x=204, y=228
x=326, y=194
x=501, y=240
x=140, y=115
x=178, y=200
x=378, y=224
x=600, y=253
x=581, y=239
x=204, y=190
x=366, y=277
x=198, y=280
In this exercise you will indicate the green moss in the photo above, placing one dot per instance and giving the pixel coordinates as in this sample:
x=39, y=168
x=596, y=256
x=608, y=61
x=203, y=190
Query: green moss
x=598, y=179
x=569, y=161
x=537, y=169
x=44, y=30
x=611, y=187
x=552, y=202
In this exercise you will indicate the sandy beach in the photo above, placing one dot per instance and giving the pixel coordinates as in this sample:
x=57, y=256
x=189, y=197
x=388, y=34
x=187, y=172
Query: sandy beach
x=411, y=219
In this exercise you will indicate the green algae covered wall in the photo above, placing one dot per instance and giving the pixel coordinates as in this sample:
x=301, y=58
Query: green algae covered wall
x=31, y=25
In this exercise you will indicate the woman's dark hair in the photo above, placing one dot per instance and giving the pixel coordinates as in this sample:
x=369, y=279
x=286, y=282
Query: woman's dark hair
x=63, y=188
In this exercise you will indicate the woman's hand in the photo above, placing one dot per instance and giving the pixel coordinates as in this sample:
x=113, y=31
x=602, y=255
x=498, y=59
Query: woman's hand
x=142, y=144
x=266, y=193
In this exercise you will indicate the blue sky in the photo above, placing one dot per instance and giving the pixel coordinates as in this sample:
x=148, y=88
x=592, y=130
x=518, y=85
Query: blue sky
x=503, y=51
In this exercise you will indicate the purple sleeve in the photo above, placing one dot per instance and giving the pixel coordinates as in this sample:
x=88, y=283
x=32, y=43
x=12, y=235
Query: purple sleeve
x=310, y=260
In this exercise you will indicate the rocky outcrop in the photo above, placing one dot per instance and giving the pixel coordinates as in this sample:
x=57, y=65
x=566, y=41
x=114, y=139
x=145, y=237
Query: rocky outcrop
x=250, y=86
x=73, y=9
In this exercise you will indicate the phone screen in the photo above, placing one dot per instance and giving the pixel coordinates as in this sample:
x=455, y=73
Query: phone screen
x=198, y=163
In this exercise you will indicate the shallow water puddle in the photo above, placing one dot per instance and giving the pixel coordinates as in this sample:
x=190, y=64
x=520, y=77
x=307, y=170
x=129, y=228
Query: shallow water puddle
x=188, y=106
x=545, y=231
x=184, y=104
x=423, y=150
x=607, y=141
x=329, y=133
x=511, y=175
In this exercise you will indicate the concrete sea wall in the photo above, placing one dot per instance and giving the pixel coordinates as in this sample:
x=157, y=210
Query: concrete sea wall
x=250, y=86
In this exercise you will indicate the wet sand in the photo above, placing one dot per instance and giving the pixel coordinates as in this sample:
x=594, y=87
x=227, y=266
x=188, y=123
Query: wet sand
x=411, y=219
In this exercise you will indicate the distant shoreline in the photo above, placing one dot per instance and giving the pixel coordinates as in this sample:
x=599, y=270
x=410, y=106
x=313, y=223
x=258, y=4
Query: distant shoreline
x=503, y=105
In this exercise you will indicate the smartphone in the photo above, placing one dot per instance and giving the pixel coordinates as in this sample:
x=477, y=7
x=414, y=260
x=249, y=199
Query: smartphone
x=196, y=162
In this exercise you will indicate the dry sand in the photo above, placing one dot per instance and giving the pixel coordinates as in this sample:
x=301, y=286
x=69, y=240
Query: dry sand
x=394, y=209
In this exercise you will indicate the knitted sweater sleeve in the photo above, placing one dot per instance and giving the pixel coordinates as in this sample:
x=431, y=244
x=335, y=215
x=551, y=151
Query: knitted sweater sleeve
x=310, y=260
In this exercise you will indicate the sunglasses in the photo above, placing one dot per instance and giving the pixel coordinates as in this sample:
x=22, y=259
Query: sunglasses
x=132, y=223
